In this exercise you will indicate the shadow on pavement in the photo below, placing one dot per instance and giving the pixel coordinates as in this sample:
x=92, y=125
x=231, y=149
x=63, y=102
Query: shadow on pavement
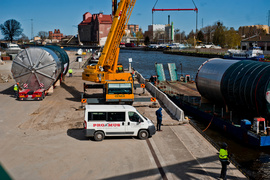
x=8, y=91
x=73, y=91
x=185, y=170
x=77, y=133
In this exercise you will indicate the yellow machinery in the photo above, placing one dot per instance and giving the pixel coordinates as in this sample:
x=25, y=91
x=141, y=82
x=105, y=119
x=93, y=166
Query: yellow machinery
x=118, y=85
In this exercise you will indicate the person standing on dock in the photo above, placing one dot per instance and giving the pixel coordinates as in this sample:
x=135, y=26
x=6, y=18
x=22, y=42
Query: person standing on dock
x=224, y=159
x=159, y=118
x=70, y=71
x=16, y=90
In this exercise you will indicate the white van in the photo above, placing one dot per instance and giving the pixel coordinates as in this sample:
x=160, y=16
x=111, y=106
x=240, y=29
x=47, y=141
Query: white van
x=116, y=120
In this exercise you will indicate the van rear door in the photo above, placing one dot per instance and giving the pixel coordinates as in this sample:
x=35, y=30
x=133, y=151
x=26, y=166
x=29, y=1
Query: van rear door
x=116, y=123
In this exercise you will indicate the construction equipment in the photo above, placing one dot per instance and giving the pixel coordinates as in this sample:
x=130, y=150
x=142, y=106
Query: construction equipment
x=178, y=9
x=37, y=69
x=118, y=85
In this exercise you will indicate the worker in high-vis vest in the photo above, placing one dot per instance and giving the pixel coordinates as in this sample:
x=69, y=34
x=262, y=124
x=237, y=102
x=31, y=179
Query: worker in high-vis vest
x=70, y=71
x=224, y=159
x=16, y=90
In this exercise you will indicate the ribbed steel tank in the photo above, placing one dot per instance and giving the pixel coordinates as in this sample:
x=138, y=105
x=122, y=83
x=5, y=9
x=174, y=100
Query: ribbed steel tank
x=39, y=67
x=241, y=85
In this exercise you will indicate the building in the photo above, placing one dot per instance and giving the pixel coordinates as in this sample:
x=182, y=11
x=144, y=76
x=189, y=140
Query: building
x=37, y=38
x=160, y=33
x=56, y=35
x=156, y=33
x=94, y=28
x=169, y=33
x=260, y=41
x=248, y=31
x=131, y=30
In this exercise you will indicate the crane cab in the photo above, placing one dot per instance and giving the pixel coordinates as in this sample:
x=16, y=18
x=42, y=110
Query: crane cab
x=120, y=92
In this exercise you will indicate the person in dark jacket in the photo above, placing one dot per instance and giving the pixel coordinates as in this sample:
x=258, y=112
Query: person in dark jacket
x=159, y=118
x=224, y=159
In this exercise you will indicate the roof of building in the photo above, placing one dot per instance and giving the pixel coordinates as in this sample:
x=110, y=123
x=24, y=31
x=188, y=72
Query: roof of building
x=103, y=19
x=258, y=38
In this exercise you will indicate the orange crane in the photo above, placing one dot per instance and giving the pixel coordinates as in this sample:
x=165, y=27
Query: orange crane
x=117, y=85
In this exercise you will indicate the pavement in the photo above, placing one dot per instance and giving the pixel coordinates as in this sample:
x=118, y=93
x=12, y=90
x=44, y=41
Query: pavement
x=44, y=140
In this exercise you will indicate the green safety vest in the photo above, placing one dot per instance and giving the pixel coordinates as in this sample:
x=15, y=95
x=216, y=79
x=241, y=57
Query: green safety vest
x=16, y=87
x=70, y=71
x=223, y=154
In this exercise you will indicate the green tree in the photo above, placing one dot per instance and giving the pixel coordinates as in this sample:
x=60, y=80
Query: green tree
x=11, y=29
x=219, y=35
x=191, y=37
x=147, y=40
x=200, y=36
x=233, y=39
x=139, y=35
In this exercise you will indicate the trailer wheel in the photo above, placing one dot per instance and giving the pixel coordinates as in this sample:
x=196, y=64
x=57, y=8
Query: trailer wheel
x=99, y=136
x=143, y=134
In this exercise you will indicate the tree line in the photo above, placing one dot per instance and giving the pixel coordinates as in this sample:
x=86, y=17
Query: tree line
x=216, y=34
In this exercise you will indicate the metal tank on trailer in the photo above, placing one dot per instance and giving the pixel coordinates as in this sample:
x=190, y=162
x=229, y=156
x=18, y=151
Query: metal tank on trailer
x=37, y=68
x=242, y=85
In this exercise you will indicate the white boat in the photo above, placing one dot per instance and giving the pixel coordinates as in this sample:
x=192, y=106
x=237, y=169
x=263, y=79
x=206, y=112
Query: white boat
x=12, y=48
x=178, y=46
x=254, y=53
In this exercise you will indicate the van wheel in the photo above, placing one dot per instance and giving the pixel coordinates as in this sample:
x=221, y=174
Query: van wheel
x=143, y=134
x=99, y=136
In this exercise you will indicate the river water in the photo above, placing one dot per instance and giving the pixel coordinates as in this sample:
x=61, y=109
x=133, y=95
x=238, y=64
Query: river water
x=255, y=162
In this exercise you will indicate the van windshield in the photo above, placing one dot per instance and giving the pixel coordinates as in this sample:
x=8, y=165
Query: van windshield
x=120, y=88
x=142, y=115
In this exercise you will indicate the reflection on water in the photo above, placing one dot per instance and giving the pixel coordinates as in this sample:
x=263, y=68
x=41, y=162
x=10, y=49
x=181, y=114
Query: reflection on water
x=254, y=160
x=144, y=62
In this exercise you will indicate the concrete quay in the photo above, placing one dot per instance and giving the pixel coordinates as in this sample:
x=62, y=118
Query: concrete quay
x=44, y=140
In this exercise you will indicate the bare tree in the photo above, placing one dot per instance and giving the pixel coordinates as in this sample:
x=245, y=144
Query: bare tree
x=23, y=38
x=209, y=32
x=11, y=29
x=43, y=34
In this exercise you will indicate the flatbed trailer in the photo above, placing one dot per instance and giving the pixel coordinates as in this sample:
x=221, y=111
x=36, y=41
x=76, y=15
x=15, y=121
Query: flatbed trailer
x=27, y=94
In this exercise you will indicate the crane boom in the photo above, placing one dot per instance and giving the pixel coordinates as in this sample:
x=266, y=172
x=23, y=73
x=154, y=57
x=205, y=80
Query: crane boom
x=109, y=54
x=106, y=68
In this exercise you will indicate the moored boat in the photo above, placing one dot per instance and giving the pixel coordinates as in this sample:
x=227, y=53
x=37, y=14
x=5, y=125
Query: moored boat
x=254, y=53
x=12, y=48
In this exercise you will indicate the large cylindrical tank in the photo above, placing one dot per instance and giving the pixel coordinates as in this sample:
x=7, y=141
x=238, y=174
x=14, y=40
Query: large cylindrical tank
x=39, y=67
x=241, y=85
x=209, y=76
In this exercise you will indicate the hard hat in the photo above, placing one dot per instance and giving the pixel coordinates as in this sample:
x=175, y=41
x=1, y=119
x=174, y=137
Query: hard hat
x=224, y=145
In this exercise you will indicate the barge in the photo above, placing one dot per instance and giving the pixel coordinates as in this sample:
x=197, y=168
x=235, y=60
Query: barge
x=231, y=95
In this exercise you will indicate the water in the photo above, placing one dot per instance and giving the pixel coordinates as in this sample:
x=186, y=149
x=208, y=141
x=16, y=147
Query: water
x=144, y=62
x=254, y=161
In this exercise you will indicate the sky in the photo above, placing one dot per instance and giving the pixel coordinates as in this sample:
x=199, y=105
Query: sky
x=65, y=15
